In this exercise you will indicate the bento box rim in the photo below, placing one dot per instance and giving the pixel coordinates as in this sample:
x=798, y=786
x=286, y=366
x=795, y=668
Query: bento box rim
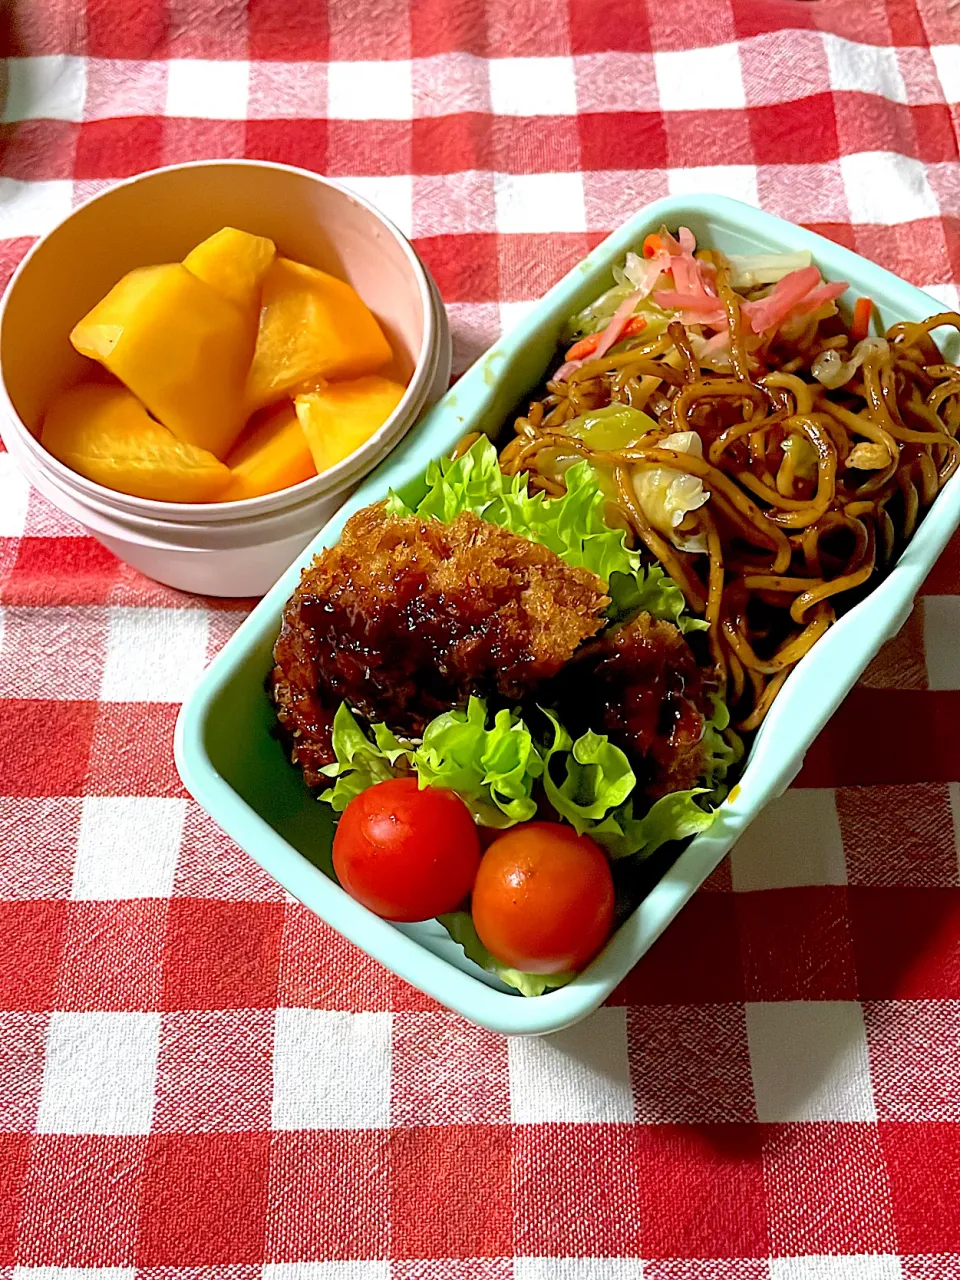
x=877, y=617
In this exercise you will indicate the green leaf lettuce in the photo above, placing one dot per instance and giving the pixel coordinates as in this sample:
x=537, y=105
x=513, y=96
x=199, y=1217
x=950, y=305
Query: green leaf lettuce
x=492, y=769
x=460, y=927
x=597, y=776
x=360, y=763
x=676, y=816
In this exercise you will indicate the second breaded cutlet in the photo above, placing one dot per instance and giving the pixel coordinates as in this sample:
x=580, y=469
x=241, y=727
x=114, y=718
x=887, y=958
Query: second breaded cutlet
x=640, y=684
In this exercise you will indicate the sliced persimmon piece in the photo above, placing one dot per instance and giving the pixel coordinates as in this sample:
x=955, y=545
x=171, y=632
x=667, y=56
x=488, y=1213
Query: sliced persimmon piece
x=105, y=434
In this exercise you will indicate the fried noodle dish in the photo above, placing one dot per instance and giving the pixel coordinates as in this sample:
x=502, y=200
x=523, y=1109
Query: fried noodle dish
x=586, y=625
x=769, y=454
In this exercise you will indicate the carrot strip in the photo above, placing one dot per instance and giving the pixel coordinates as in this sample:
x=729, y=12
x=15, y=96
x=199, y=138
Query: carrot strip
x=585, y=347
x=862, y=311
x=588, y=345
x=652, y=245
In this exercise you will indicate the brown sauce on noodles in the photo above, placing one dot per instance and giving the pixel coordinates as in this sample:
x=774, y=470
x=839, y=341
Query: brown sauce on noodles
x=786, y=548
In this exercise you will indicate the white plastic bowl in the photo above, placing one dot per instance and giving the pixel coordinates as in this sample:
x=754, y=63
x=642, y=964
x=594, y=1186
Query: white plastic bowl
x=220, y=549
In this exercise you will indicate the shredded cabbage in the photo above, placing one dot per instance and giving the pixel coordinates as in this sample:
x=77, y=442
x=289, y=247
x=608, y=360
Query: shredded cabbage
x=636, y=270
x=868, y=456
x=598, y=314
x=644, y=273
x=794, y=299
x=713, y=351
x=675, y=283
x=802, y=454
x=667, y=496
x=747, y=271
x=615, y=426
x=832, y=370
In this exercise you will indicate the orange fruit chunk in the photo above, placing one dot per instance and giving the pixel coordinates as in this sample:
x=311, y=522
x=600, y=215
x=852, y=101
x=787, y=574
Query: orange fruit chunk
x=105, y=434
x=271, y=454
x=311, y=326
x=181, y=347
x=234, y=263
x=341, y=416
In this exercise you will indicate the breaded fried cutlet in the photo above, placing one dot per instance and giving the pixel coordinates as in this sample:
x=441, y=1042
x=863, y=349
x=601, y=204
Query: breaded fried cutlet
x=640, y=684
x=405, y=618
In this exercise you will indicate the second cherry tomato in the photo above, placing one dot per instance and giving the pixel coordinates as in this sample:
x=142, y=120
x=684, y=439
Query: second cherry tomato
x=543, y=898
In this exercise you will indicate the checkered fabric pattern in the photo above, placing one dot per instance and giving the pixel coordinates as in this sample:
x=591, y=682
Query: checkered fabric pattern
x=198, y=1079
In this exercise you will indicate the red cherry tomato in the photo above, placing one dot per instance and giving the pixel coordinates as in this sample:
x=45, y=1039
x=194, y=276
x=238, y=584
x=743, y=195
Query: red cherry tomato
x=543, y=898
x=406, y=854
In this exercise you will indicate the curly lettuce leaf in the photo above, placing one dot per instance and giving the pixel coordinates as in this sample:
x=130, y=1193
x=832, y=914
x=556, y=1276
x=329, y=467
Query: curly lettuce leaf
x=472, y=482
x=620, y=834
x=492, y=769
x=573, y=526
x=680, y=814
x=597, y=776
x=655, y=593
x=675, y=816
x=723, y=748
x=360, y=763
x=596, y=795
x=459, y=925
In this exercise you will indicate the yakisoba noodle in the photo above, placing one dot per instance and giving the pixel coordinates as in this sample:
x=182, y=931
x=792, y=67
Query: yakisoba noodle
x=780, y=550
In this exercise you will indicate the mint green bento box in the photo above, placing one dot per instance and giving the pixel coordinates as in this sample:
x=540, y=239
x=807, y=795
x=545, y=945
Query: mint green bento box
x=237, y=771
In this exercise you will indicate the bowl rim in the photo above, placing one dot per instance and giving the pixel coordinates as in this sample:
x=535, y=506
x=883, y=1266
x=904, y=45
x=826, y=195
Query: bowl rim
x=841, y=656
x=335, y=478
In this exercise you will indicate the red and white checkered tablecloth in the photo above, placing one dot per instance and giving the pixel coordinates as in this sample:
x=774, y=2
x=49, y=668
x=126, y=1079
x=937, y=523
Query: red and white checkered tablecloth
x=198, y=1079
